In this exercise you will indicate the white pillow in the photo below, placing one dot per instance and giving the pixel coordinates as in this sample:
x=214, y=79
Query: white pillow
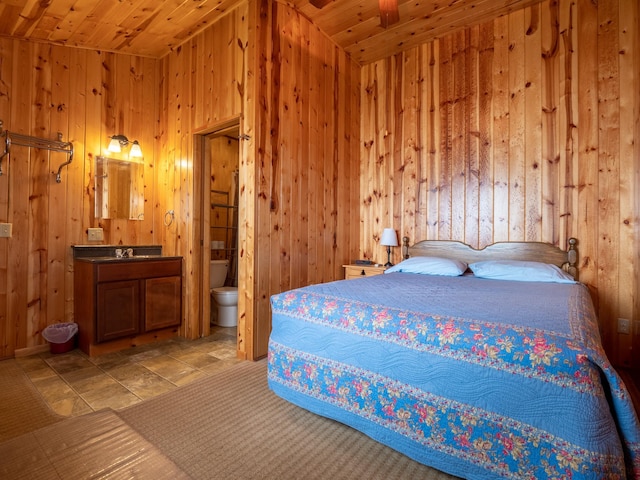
x=430, y=266
x=520, y=271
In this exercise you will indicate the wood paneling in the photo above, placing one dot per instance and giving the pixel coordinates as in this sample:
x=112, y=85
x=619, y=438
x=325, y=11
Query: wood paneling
x=632, y=15
x=200, y=90
x=300, y=157
x=534, y=138
x=86, y=96
x=307, y=164
x=521, y=128
x=223, y=152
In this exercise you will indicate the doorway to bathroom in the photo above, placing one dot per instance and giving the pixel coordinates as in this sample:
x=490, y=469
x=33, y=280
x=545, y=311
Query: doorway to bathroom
x=220, y=154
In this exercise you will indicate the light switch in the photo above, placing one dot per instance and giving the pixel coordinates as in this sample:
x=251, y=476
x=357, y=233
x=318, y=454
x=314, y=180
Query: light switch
x=5, y=230
x=95, y=234
x=624, y=326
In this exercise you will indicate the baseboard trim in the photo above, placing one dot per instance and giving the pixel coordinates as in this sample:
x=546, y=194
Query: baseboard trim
x=25, y=352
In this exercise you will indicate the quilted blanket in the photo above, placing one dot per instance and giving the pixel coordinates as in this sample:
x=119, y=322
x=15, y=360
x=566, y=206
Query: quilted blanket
x=477, y=378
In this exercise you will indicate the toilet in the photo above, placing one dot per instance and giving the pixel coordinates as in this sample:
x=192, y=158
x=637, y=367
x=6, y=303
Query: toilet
x=224, y=299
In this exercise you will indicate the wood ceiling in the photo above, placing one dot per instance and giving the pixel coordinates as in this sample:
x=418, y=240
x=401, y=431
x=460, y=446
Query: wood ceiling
x=153, y=27
x=355, y=24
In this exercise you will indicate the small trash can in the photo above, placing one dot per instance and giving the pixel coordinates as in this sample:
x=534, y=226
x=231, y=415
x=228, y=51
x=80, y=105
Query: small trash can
x=61, y=336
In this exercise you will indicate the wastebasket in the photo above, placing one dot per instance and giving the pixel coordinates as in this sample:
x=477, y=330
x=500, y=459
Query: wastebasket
x=61, y=336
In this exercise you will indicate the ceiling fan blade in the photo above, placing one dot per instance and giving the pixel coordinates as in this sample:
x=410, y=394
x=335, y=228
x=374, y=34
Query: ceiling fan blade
x=320, y=3
x=388, y=12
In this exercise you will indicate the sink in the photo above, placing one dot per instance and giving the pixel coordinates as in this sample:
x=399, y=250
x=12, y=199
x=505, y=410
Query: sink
x=134, y=257
x=105, y=252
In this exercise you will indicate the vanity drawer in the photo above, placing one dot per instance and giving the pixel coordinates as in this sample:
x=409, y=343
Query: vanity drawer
x=131, y=269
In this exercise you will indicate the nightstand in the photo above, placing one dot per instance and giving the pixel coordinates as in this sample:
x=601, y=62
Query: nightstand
x=358, y=271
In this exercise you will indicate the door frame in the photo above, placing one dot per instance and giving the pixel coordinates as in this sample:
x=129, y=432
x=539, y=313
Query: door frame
x=202, y=170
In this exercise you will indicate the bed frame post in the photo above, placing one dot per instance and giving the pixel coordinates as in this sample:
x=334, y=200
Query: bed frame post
x=572, y=258
x=405, y=247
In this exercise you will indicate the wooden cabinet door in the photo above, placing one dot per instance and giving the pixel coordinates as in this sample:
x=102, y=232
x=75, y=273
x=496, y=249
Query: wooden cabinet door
x=118, y=310
x=162, y=302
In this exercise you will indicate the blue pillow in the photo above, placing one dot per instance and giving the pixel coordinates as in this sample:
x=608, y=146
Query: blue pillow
x=520, y=271
x=430, y=266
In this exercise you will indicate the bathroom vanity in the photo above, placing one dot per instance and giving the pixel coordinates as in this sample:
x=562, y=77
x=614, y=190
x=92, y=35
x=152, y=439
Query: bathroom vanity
x=121, y=302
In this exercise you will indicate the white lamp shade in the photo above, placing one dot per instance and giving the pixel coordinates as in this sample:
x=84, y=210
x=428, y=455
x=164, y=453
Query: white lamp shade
x=136, y=151
x=389, y=238
x=114, y=145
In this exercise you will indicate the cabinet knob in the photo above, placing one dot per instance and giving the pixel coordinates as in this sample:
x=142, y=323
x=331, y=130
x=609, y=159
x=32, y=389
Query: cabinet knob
x=362, y=272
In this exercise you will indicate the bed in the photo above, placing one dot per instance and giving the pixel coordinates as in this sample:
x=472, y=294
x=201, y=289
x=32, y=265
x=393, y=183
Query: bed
x=479, y=375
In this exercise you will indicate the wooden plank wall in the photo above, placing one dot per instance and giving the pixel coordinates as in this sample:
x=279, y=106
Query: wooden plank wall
x=223, y=158
x=86, y=96
x=201, y=88
x=523, y=128
x=297, y=96
x=301, y=158
x=633, y=16
x=307, y=160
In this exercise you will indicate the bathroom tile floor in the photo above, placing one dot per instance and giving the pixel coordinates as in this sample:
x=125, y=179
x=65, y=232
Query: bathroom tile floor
x=74, y=384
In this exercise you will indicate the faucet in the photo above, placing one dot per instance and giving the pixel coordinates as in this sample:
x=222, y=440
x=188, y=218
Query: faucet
x=124, y=253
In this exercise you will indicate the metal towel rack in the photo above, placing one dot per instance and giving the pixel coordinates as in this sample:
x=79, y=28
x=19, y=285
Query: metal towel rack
x=11, y=138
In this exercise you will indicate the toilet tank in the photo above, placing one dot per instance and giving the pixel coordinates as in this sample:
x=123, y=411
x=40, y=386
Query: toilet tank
x=218, y=273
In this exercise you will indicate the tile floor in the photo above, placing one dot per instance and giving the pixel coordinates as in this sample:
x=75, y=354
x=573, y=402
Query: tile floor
x=74, y=384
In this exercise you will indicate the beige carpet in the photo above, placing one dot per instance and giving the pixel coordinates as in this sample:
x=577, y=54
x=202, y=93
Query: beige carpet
x=231, y=426
x=22, y=408
x=97, y=445
x=226, y=426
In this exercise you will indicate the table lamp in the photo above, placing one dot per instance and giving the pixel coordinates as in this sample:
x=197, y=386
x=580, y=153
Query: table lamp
x=389, y=239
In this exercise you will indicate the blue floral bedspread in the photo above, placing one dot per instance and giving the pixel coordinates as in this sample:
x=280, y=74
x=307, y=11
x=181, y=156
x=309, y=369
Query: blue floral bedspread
x=477, y=378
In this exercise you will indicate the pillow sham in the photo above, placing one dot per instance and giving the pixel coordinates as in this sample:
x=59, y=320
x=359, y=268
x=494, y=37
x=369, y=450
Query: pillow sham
x=430, y=266
x=522, y=271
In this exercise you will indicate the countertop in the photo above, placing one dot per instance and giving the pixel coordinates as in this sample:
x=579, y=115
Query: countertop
x=135, y=258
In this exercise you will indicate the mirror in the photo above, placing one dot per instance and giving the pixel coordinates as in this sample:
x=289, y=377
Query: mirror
x=119, y=188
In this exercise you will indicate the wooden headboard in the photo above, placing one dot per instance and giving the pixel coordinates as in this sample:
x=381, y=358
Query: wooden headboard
x=527, y=251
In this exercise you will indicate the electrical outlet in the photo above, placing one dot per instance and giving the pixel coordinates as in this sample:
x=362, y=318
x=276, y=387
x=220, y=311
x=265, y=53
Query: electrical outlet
x=5, y=230
x=624, y=326
x=95, y=234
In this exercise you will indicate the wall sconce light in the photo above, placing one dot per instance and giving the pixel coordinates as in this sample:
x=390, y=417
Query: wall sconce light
x=118, y=142
x=389, y=239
